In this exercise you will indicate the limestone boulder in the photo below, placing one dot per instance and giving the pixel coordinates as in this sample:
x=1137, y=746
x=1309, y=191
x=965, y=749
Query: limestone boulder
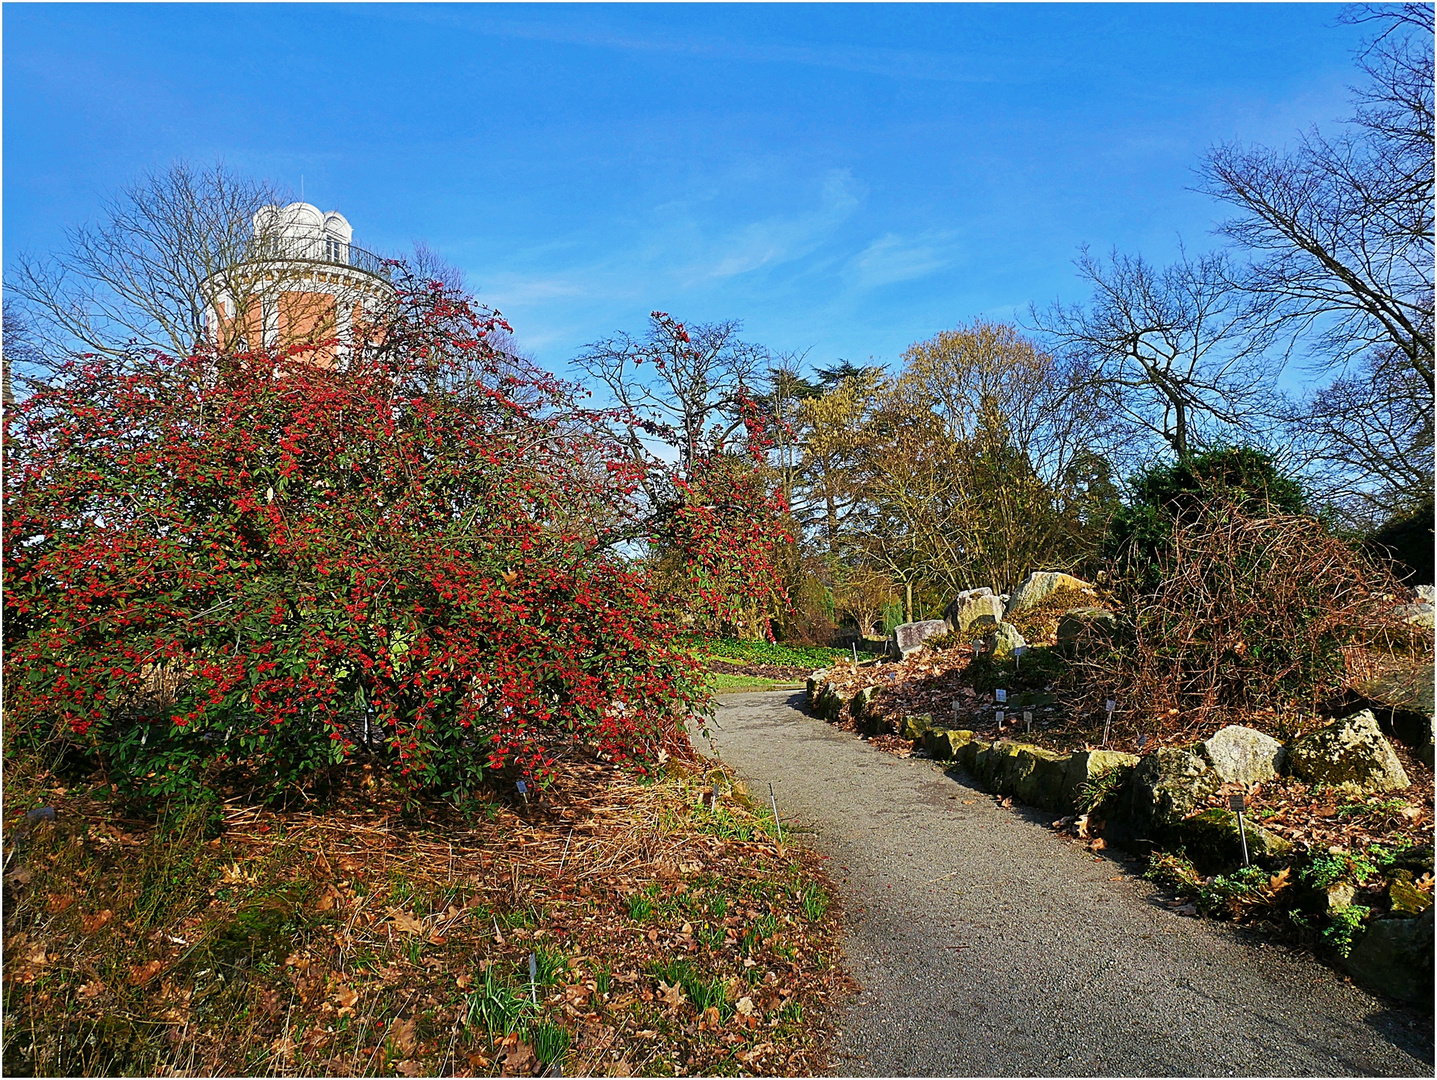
x=1351, y=755
x=830, y=702
x=1419, y=615
x=1214, y=843
x=1039, y=776
x=995, y=765
x=1168, y=786
x=1038, y=586
x=1401, y=699
x=1002, y=640
x=1084, y=768
x=1086, y=628
x=1406, y=899
x=1241, y=755
x=1394, y=957
x=916, y=726
x=946, y=744
x=970, y=605
x=908, y=638
x=816, y=682
x=858, y=704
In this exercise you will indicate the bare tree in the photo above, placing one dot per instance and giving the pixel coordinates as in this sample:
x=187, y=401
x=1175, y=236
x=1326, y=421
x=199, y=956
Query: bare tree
x=684, y=385
x=1365, y=439
x=1169, y=348
x=1340, y=229
x=150, y=272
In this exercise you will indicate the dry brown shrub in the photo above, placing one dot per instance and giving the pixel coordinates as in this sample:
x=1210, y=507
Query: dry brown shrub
x=1257, y=619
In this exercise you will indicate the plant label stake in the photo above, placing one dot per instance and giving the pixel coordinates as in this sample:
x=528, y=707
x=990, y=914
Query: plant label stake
x=999, y=714
x=1238, y=802
x=524, y=792
x=533, y=979
x=1018, y=652
x=855, y=654
x=1000, y=696
x=774, y=803
x=1110, y=705
x=1028, y=719
x=955, y=710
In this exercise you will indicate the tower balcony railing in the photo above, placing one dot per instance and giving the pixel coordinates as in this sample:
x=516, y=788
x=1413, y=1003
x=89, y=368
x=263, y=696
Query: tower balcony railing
x=321, y=249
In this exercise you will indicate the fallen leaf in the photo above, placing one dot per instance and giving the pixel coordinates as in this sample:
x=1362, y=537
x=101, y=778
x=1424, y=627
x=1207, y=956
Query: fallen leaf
x=515, y=1058
x=346, y=996
x=411, y=1068
x=464, y=982
x=671, y=995
x=710, y=1020
x=404, y=922
x=402, y=1032
x=90, y=923
x=58, y=903
x=92, y=990
x=745, y=1006
x=143, y=973
x=1279, y=880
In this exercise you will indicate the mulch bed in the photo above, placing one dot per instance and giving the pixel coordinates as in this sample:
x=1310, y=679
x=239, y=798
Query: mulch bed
x=785, y=672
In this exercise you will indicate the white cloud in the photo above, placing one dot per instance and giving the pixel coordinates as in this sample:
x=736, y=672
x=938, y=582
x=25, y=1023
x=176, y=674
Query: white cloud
x=891, y=259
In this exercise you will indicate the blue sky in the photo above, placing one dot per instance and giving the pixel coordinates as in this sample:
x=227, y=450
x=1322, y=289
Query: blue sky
x=845, y=179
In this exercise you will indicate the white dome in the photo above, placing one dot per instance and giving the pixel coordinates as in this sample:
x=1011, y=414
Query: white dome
x=302, y=221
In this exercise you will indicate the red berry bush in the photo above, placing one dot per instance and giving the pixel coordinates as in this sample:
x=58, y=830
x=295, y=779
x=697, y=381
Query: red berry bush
x=255, y=562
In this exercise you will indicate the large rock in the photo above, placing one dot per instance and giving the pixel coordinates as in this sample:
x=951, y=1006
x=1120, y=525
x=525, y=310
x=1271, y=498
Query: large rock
x=1401, y=700
x=1168, y=786
x=909, y=637
x=1419, y=615
x=914, y=727
x=829, y=703
x=1038, y=777
x=1084, y=767
x=1240, y=755
x=995, y=764
x=947, y=744
x=1038, y=586
x=1214, y=842
x=1351, y=755
x=816, y=682
x=859, y=702
x=1394, y=957
x=1085, y=627
x=1002, y=640
x=971, y=604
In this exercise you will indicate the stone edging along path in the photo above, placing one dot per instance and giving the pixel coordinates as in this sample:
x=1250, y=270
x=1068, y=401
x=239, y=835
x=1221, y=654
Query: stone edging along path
x=1148, y=802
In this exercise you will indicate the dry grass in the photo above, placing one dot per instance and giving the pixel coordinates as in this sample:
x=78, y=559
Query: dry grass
x=670, y=933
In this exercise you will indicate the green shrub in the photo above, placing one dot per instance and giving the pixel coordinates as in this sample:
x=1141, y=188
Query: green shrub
x=1165, y=495
x=1342, y=927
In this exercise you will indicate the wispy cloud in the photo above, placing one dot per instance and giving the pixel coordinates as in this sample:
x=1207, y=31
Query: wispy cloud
x=777, y=239
x=968, y=66
x=891, y=259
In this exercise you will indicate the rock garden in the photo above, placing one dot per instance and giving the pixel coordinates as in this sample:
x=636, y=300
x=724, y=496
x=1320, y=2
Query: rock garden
x=1264, y=742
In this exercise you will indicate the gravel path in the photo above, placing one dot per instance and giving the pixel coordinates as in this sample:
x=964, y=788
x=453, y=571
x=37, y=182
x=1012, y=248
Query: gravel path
x=986, y=945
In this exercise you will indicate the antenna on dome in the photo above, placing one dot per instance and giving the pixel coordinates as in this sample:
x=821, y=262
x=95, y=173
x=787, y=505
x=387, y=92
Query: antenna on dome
x=301, y=187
